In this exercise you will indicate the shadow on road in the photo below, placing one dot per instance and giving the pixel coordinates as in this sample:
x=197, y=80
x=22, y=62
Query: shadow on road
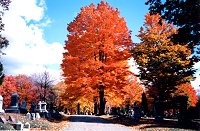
x=88, y=119
x=151, y=124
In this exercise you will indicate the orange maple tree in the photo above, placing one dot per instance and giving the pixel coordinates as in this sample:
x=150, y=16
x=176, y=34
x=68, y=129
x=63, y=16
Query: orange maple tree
x=7, y=88
x=96, y=54
x=189, y=91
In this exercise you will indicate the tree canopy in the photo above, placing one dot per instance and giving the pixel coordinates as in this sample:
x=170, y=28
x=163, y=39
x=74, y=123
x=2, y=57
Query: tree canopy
x=96, y=54
x=163, y=63
x=185, y=14
x=187, y=90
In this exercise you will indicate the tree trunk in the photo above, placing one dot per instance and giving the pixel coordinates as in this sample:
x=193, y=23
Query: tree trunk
x=159, y=108
x=102, y=100
x=78, y=108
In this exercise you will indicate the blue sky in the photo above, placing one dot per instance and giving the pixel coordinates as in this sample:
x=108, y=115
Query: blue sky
x=36, y=30
x=64, y=11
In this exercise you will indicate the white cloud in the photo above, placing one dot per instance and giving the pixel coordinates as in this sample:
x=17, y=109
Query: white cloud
x=29, y=9
x=196, y=82
x=133, y=66
x=28, y=51
x=197, y=65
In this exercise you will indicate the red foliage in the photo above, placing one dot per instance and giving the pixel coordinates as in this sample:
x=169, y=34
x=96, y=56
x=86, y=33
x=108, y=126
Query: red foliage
x=25, y=89
x=188, y=90
x=22, y=85
x=7, y=88
x=97, y=54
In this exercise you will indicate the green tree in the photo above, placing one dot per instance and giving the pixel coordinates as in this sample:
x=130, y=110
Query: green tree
x=163, y=64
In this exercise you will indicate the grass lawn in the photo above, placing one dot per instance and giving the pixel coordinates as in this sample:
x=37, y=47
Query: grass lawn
x=39, y=124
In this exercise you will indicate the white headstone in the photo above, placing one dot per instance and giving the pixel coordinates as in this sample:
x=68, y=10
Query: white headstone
x=33, y=116
x=39, y=105
x=42, y=106
x=1, y=104
x=37, y=115
x=28, y=116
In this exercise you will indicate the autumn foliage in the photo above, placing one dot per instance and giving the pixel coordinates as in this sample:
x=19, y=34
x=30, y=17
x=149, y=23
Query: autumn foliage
x=25, y=89
x=96, y=55
x=163, y=64
x=7, y=88
x=186, y=89
x=22, y=85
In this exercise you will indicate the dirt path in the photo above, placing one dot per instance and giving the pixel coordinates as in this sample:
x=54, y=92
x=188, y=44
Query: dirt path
x=93, y=123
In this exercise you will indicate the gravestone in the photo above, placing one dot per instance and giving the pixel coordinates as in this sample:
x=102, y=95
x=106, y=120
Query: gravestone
x=1, y=104
x=114, y=111
x=131, y=113
x=28, y=116
x=183, y=112
x=37, y=116
x=127, y=107
x=118, y=111
x=96, y=108
x=42, y=107
x=108, y=110
x=13, y=107
x=33, y=107
x=78, y=109
x=33, y=116
x=23, y=108
x=136, y=114
x=158, y=110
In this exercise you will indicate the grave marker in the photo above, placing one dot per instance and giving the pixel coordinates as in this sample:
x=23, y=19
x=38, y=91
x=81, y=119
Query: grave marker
x=23, y=108
x=13, y=107
x=42, y=107
x=1, y=104
x=28, y=116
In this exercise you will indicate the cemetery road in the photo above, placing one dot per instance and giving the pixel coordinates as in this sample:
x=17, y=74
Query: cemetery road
x=93, y=123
